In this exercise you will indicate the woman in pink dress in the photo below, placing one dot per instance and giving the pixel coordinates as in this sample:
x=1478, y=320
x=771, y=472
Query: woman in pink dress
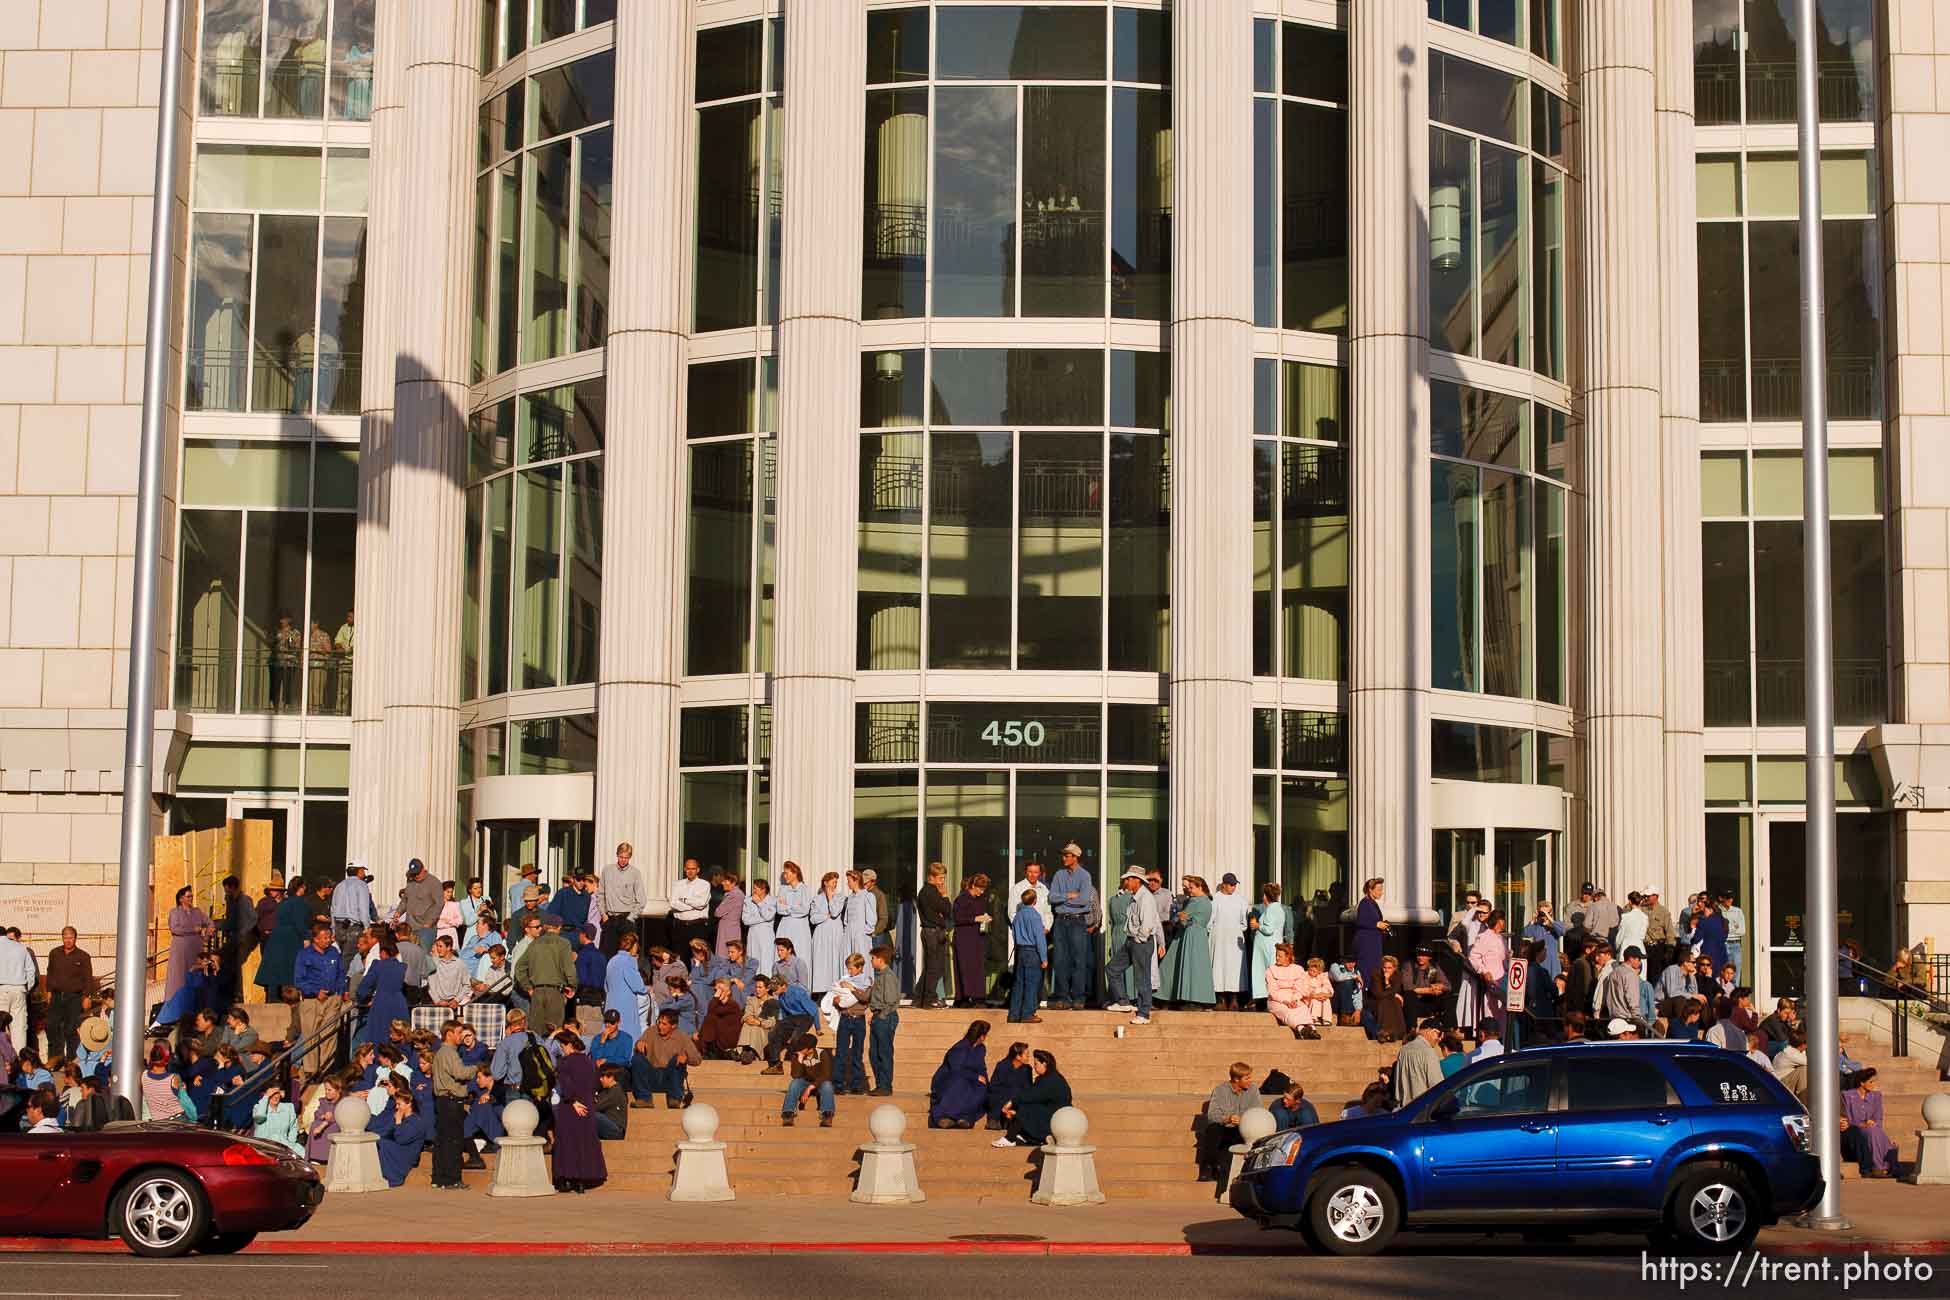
x=1317, y=993
x=1489, y=962
x=188, y=927
x=1286, y=992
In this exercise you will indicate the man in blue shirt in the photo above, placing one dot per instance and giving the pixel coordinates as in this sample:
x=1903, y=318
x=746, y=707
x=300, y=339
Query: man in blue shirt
x=797, y=1012
x=530, y=875
x=319, y=975
x=1032, y=959
x=612, y=1045
x=571, y=904
x=506, y=1066
x=1073, y=896
x=352, y=909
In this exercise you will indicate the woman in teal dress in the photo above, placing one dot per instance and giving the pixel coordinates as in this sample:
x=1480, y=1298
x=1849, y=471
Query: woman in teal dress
x=276, y=967
x=1119, y=905
x=1188, y=965
x=1269, y=930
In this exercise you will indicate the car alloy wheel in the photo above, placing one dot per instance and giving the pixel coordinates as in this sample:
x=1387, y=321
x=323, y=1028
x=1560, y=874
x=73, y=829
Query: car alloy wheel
x=1718, y=1212
x=160, y=1213
x=1355, y=1213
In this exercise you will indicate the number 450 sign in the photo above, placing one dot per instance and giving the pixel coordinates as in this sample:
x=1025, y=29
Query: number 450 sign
x=1015, y=735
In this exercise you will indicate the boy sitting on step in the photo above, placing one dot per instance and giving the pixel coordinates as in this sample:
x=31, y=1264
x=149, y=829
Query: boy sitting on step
x=812, y=1071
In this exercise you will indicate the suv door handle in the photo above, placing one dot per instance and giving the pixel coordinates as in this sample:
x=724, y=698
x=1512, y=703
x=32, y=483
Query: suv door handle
x=1534, y=1126
x=1661, y=1120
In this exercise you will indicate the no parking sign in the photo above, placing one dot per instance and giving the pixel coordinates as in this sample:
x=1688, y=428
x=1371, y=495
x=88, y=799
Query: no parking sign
x=1519, y=980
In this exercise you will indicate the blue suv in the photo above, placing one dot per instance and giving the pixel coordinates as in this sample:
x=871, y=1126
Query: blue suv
x=1694, y=1144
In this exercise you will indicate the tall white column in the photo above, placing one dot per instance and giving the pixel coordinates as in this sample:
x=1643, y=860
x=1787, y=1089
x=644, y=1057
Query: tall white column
x=1683, y=862
x=819, y=434
x=643, y=462
x=426, y=503
x=389, y=180
x=1388, y=494
x=1625, y=645
x=1212, y=439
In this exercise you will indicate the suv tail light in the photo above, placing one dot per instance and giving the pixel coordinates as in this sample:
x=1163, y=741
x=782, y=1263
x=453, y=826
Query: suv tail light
x=242, y=1153
x=1797, y=1132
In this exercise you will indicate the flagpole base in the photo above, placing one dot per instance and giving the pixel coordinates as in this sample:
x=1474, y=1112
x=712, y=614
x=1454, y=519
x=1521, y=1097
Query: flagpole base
x=1820, y=1222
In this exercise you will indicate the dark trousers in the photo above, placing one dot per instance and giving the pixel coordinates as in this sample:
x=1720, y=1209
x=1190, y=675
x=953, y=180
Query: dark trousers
x=607, y=1129
x=615, y=926
x=1343, y=997
x=1028, y=983
x=788, y=1028
x=449, y=1114
x=646, y=1080
x=63, y=1020
x=1214, y=1143
x=849, y=1069
x=682, y=932
x=1070, y=961
x=934, y=968
x=880, y=1048
x=548, y=1009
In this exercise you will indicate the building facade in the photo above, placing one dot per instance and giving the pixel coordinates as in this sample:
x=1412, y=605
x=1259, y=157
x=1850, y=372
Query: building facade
x=1305, y=440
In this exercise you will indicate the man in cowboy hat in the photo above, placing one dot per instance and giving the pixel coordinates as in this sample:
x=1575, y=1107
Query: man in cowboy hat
x=1143, y=927
x=93, y=1036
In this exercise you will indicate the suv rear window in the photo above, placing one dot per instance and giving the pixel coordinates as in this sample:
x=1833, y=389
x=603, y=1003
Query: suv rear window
x=1730, y=1079
x=1608, y=1083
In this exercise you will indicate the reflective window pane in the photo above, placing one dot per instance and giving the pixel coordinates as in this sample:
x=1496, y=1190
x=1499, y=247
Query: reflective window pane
x=1313, y=63
x=1266, y=459
x=576, y=95
x=1059, y=539
x=897, y=45
x=329, y=635
x=1452, y=242
x=352, y=55
x=294, y=80
x=1476, y=424
x=1313, y=561
x=1503, y=255
x=1018, y=386
x=1724, y=595
x=548, y=253
x=257, y=178
x=974, y=195
x=891, y=478
x=231, y=65
x=220, y=309
x=594, y=191
x=209, y=560
x=1845, y=60
x=1476, y=98
x=341, y=322
x=891, y=389
x=728, y=162
x=1140, y=554
x=1547, y=283
x=1452, y=577
x=500, y=579
x=719, y=591
x=539, y=507
x=1506, y=521
x=1463, y=751
x=1141, y=221
x=1141, y=46
x=1266, y=211
x=284, y=347
x=1018, y=731
x=1062, y=210
x=1020, y=43
x=729, y=61
x=967, y=824
x=1314, y=219
x=896, y=228
x=722, y=398
x=273, y=609
x=1553, y=637
x=970, y=550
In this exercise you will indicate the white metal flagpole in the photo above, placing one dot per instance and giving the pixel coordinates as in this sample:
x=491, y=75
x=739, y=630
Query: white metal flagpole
x=138, y=776
x=1824, y=1023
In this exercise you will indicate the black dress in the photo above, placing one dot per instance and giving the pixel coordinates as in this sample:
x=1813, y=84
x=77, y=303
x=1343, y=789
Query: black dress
x=578, y=1150
x=971, y=946
x=1036, y=1105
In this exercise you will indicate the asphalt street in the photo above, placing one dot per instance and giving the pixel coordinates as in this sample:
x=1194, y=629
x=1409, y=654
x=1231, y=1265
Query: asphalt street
x=1591, y=1270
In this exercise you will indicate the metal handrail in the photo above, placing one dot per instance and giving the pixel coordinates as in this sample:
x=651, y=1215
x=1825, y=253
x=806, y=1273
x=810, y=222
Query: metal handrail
x=278, y=1068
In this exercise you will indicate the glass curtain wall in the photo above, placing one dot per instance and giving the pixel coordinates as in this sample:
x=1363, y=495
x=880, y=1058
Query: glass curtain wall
x=1749, y=300
x=1534, y=25
x=277, y=280
x=291, y=59
x=265, y=620
x=1018, y=515
x=1498, y=489
x=990, y=787
x=1751, y=552
x=730, y=549
x=740, y=175
x=724, y=788
x=542, y=201
x=1496, y=216
x=1300, y=821
x=1300, y=200
x=1300, y=520
x=1029, y=168
x=510, y=26
x=1743, y=60
x=533, y=552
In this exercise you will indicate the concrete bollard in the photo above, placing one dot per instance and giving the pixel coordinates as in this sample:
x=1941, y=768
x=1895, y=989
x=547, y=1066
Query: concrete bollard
x=1932, y=1149
x=1254, y=1125
x=1069, y=1172
x=701, y=1173
x=887, y=1173
x=521, y=1169
x=354, y=1163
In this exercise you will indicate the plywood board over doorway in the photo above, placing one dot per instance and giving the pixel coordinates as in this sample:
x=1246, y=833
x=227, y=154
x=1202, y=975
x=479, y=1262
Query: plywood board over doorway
x=202, y=860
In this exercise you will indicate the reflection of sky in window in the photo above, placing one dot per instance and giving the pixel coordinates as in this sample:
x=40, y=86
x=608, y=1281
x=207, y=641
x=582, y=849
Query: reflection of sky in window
x=975, y=152
x=1020, y=42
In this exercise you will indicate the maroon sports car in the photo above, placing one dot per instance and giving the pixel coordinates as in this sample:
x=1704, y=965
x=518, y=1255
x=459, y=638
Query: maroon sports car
x=164, y=1189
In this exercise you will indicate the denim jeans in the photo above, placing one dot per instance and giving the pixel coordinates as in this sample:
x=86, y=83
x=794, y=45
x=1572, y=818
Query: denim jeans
x=1028, y=984
x=880, y=1048
x=1134, y=956
x=1344, y=997
x=646, y=1080
x=1070, y=961
x=797, y=1089
x=849, y=1067
x=1733, y=953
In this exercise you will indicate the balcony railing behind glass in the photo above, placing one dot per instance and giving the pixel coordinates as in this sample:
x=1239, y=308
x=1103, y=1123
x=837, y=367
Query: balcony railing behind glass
x=272, y=682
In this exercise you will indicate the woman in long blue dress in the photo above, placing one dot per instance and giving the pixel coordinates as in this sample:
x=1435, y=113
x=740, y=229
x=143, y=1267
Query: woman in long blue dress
x=795, y=912
x=1188, y=965
x=959, y=1093
x=383, y=991
x=828, y=934
x=624, y=991
x=579, y=1162
x=289, y=931
x=1269, y=931
x=1368, y=931
x=761, y=928
x=859, y=914
x=403, y=1131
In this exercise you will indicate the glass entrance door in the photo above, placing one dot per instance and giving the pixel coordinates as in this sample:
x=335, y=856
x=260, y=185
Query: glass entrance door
x=1523, y=864
x=1866, y=915
x=505, y=847
x=571, y=848
x=1784, y=895
x=997, y=822
x=1458, y=868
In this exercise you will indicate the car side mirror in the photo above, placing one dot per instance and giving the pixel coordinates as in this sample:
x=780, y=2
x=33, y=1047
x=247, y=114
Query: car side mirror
x=1446, y=1109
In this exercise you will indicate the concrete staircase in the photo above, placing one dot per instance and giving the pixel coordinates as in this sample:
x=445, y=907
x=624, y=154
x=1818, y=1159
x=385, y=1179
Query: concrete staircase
x=1140, y=1092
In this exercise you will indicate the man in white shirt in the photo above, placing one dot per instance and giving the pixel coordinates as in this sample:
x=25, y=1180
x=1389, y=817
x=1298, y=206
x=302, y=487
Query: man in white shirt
x=1736, y=930
x=1143, y=927
x=690, y=908
x=624, y=896
x=18, y=973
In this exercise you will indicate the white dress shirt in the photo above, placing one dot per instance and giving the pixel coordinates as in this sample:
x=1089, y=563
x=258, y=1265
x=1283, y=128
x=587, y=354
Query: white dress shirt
x=690, y=899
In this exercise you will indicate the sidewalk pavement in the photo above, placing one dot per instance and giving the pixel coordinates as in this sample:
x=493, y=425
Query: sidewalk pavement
x=1888, y=1218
